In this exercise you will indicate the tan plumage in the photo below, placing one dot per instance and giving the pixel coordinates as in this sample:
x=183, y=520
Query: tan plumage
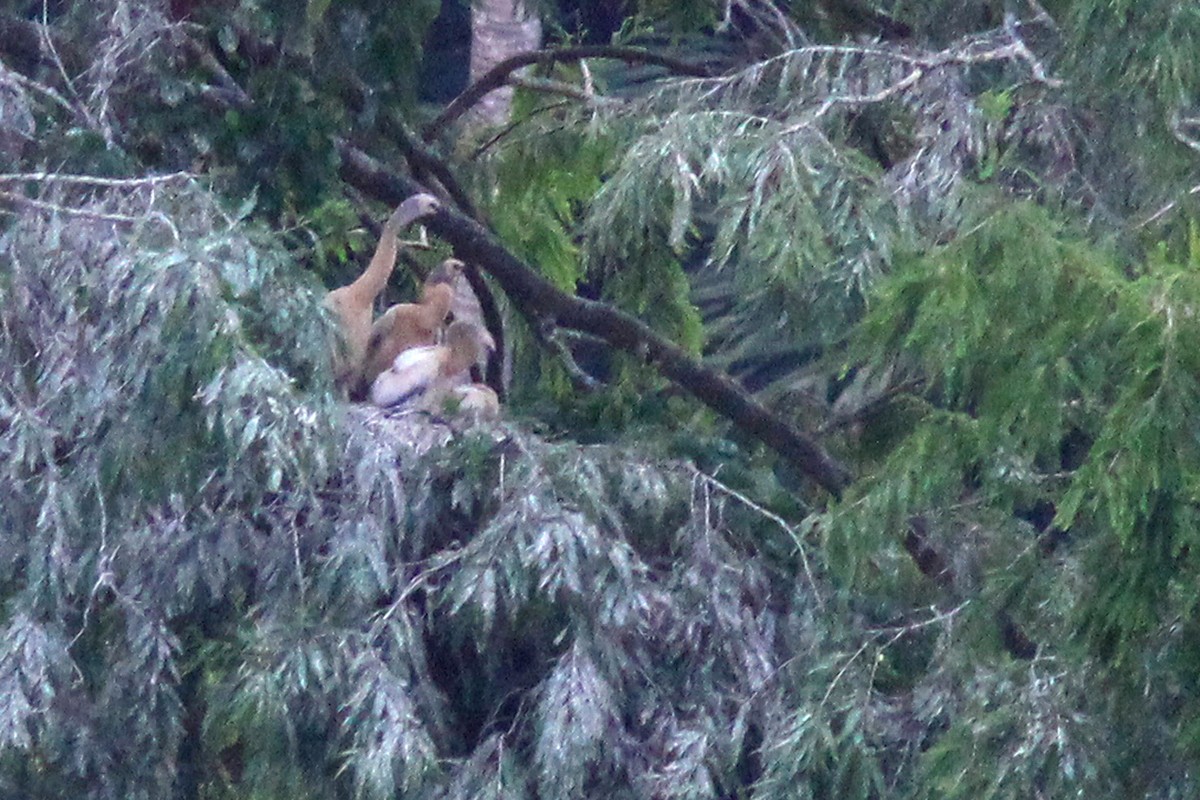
x=466, y=305
x=474, y=399
x=353, y=304
x=421, y=377
x=408, y=325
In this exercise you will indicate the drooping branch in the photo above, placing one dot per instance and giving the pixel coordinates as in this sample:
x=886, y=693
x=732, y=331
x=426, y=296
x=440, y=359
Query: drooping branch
x=499, y=75
x=543, y=303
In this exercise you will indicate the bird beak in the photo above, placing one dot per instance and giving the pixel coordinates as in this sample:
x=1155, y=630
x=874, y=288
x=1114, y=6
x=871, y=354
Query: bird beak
x=485, y=338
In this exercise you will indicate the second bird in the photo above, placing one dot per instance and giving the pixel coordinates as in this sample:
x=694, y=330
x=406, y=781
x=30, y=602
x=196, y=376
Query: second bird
x=408, y=325
x=422, y=377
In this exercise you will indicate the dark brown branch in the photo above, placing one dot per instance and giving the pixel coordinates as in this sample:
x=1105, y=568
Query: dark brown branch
x=498, y=75
x=925, y=555
x=208, y=61
x=426, y=164
x=541, y=302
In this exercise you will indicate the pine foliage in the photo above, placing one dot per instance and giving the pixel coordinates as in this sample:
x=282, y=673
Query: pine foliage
x=964, y=257
x=353, y=604
x=786, y=184
x=1056, y=380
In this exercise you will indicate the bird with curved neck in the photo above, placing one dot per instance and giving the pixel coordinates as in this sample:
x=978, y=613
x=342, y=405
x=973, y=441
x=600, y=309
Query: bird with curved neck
x=422, y=377
x=408, y=325
x=353, y=304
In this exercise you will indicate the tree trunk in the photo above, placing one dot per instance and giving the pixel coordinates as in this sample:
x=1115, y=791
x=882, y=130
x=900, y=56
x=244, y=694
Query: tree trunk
x=499, y=29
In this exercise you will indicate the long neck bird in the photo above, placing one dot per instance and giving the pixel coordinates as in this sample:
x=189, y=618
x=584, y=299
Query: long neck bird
x=353, y=304
x=422, y=377
x=407, y=325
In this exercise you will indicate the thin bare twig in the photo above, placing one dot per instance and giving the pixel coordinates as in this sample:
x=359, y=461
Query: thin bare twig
x=1165, y=209
x=48, y=46
x=93, y=180
x=773, y=517
x=500, y=75
x=504, y=132
x=565, y=89
x=579, y=377
x=85, y=213
x=1025, y=54
x=34, y=86
x=897, y=633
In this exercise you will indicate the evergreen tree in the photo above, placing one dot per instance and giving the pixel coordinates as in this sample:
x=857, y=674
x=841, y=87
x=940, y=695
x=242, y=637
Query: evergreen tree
x=847, y=450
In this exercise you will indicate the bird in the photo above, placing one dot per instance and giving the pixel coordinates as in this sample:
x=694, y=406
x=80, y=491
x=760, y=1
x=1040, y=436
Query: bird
x=475, y=399
x=408, y=325
x=353, y=304
x=423, y=377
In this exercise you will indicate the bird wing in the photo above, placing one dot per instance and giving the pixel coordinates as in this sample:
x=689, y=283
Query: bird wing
x=411, y=374
x=401, y=327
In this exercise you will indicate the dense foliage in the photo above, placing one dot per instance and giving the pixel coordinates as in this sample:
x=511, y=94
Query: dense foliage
x=955, y=242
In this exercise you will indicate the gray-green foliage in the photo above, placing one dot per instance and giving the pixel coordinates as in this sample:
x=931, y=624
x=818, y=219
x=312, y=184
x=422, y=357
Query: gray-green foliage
x=786, y=184
x=1055, y=379
x=140, y=414
x=209, y=557
x=219, y=583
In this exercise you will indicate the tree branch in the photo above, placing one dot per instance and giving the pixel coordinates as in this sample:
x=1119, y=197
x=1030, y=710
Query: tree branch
x=499, y=75
x=540, y=302
x=426, y=164
x=563, y=89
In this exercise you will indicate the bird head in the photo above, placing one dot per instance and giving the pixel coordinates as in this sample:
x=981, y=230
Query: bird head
x=446, y=272
x=414, y=208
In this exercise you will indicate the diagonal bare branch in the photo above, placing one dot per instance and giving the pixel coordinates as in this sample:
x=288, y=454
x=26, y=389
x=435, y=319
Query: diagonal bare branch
x=541, y=302
x=501, y=74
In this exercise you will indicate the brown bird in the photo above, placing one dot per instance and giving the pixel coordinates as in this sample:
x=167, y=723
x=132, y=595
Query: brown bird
x=353, y=304
x=476, y=399
x=422, y=377
x=407, y=325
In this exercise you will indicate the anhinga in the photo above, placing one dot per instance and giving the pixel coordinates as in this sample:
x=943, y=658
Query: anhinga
x=353, y=304
x=476, y=399
x=408, y=325
x=423, y=377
